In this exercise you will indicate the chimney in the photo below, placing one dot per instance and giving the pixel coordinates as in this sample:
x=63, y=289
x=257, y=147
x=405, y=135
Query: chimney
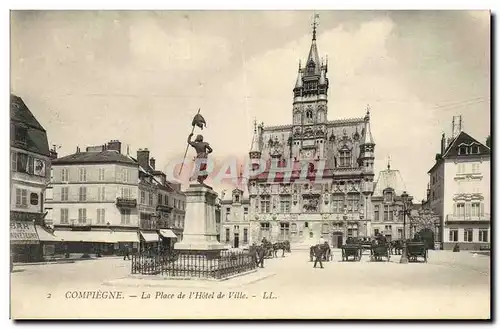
x=78, y=149
x=143, y=158
x=152, y=162
x=443, y=143
x=115, y=145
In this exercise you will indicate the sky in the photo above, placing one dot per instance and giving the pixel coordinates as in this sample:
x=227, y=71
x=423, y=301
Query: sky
x=140, y=77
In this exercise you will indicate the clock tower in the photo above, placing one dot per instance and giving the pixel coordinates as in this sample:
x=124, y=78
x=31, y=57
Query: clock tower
x=310, y=107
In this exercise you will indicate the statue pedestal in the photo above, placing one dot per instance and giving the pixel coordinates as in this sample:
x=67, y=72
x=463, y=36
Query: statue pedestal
x=200, y=235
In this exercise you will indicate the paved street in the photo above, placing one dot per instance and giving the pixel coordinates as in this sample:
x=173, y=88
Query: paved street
x=450, y=285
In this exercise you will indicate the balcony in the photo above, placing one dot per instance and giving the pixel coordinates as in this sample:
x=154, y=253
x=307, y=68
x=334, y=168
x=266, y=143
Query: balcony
x=467, y=219
x=164, y=208
x=79, y=223
x=126, y=203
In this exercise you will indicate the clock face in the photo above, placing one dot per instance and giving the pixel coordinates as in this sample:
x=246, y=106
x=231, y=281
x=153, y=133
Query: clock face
x=308, y=153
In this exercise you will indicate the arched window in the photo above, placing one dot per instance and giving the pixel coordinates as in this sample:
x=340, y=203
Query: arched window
x=306, y=224
x=309, y=115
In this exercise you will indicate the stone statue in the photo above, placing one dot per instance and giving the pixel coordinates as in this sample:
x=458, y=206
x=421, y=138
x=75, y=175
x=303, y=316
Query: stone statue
x=203, y=149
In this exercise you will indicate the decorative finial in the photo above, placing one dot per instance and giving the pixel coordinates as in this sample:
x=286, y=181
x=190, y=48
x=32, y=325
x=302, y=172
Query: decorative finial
x=314, y=25
x=254, y=125
x=368, y=108
x=300, y=65
x=389, y=162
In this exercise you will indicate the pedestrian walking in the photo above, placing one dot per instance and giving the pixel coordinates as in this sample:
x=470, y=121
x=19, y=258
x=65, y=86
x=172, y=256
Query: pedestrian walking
x=126, y=253
x=318, y=254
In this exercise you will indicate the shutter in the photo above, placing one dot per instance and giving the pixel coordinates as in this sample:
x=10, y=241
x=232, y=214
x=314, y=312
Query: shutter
x=482, y=210
x=467, y=209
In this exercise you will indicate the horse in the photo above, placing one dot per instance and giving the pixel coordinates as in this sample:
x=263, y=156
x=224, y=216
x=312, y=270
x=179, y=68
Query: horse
x=283, y=245
x=326, y=251
x=268, y=248
x=258, y=254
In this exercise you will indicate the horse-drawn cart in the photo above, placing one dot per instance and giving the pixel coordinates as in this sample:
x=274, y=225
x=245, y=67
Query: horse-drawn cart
x=351, y=250
x=415, y=250
x=380, y=251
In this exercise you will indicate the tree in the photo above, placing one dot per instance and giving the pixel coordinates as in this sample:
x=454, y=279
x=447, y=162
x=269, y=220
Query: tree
x=423, y=219
x=488, y=141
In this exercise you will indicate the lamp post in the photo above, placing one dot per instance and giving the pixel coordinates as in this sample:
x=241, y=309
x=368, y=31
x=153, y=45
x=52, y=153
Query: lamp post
x=404, y=256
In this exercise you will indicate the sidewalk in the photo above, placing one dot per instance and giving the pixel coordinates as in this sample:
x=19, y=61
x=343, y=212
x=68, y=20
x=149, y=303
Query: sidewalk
x=63, y=260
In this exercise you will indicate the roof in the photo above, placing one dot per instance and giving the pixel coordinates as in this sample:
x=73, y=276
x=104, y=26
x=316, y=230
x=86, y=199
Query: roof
x=451, y=150
x=314, y=57
x=108, y=156
x=36, y=138
x=389, y=178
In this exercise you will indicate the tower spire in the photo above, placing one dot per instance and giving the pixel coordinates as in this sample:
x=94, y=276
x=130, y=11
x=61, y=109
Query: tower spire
x=389, y=162
x=314, y=25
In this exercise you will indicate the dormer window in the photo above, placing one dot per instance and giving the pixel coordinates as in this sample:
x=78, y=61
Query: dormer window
x=345, y=157
x=474, y=149
x=462, y=150
x=388, y=196
x=237, y=198
x=20, y=134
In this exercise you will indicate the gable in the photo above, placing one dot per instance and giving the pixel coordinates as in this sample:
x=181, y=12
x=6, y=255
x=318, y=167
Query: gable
x=465, y=145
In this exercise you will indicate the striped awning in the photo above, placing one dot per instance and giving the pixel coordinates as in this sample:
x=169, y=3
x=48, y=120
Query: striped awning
x=168, y=233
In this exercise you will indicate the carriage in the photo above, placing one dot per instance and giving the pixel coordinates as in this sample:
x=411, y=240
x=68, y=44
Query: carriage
x=351, y=250
x=380, y=251
x=396, y=247
x=415, y=250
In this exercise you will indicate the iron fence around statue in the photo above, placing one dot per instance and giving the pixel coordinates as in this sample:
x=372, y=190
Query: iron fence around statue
x=192, y=264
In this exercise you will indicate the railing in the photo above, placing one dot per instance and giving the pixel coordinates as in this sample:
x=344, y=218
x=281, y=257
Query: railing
x=193, y=264
x=126, y=203
x=468, y=218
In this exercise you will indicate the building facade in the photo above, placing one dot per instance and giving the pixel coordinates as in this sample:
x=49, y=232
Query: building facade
x=459, y=190
x=318, y=179
x=104, y=201
x=235, y=220
x=29, y=177
x=388, y=217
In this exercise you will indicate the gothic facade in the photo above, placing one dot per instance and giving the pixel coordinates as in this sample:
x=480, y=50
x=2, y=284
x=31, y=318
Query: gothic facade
x=318, y=178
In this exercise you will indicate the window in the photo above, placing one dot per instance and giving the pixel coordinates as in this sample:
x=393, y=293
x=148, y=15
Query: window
x=338, y=204
x=353, y=202
x=245, y=235
x=150, y=203
x=126, y=192
x=64, y=175
x=483, y=235
x=376, y=231
x=82, y=216
x=325, y=228
x=101, y=174
x=143, y=197
x=245, y=211
x=82, y=195
x=236, y=198
x=376, y=214
x=468, y=235
x=349, y=232
x=475, y=209
x=228, y=213
x=293, y=228
x=474, y=149
x=460, y=209
x=227, y=235
x=20, y=134
x=388, y=196
x=475, y=168
x=101, y=193
x=64, y=193
x=400, y=233
x=64, y=216
x=284, y=231
x=306, y=224
x=265, y=204
x=309, y=113
x=82, y=175
x=125, y=216
x=22, y=162
x=453, y=235
x=21, y=197
x=345, y=158
x=311, y=234
x=461, y=168
x=13, y=161
x=125, y=175
x=101, y=214
x=285, y=204
x=160, y=199
x=462, y=150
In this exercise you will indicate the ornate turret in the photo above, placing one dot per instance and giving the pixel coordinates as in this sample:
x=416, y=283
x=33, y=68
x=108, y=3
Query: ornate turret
x=367, y=146
x=255, y=151
x=298, y=83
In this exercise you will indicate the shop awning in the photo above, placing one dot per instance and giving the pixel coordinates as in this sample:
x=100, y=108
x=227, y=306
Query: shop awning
x=23, y=233
x=168, y=234
x=150, y=236
x=125, y=236
x=45, y=236
x=86, y=236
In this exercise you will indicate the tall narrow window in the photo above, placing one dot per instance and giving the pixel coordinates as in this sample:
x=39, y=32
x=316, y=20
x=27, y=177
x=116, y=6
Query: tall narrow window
x=483, y=235
x=101, y=174
x=21, y=197
x=285, y=202
x=82, y=216
x=265, y=204
x=460, y=209
x=345, y=158
x=376, y=214
x=227, y=235
x=82, y=196
x=125, y=216
x=150, y=199
x=102, y=193
x=64, y=193
x=64, y=175
x=82, y=174
x=101, y=216
x=284, y=231
x=245, y=235
x=264, y=230
x=64, y=216
x=143, y=197
x=453, y=235
x=338, y=203
x=475, y=209
x=468, y=235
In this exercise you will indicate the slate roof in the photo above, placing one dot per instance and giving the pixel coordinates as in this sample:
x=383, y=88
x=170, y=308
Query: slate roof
x=108, y=156
x=36, y=138
x=389, y=178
